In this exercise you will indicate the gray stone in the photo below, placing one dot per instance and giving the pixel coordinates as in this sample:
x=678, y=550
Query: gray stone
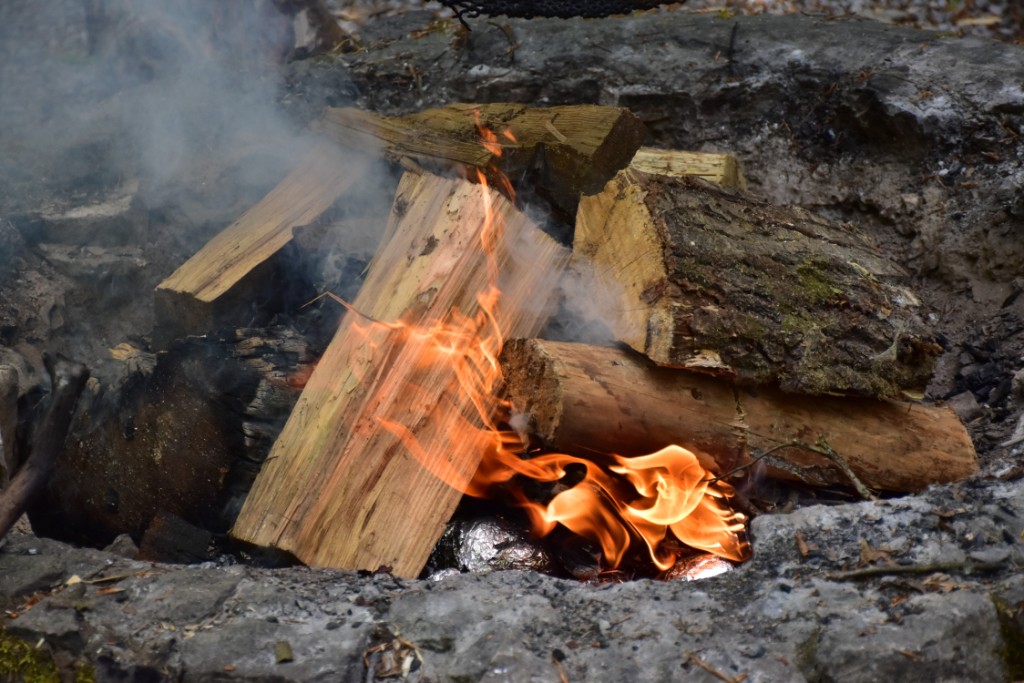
x=966, y=406
x=931, y=644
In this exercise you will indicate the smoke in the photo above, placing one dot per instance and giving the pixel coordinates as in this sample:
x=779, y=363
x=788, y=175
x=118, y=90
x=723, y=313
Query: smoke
x=584, y=307
x=131, y=132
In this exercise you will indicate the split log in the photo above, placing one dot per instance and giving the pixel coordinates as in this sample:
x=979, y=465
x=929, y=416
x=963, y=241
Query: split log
x=563, y=152
x=67, y=380
x=580, y=398
x=340, y=490
x=722, y=169
x=218, y=285
x=702, y=277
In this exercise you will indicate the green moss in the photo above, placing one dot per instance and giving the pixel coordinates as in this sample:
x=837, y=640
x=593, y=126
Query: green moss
x=1011, y=627
x=23, y=662
x=20, y=661
x=815, y=283
x=84, y=673
x=807, y=657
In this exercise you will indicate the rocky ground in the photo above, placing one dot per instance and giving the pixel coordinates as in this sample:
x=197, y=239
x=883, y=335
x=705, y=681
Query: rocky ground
x=914, y=136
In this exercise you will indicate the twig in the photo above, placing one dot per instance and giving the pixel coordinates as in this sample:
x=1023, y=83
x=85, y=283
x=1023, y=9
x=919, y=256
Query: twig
x=823, y=449
x=67, y=380
x=928, y=568
x=713, y=671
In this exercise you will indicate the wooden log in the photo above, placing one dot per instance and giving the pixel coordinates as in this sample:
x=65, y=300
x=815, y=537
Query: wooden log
x=8, y=421
x=580, y=398
x=216, y=287
x=67, y=381
x=722, y=169
x=702, y=277
x=340, y=490
x=182, y=432
x=561, y=151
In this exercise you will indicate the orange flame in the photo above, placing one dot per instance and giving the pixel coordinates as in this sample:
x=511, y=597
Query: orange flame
x=644, y=498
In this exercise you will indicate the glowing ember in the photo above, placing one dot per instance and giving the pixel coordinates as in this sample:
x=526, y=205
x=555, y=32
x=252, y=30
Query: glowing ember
x=619, y=501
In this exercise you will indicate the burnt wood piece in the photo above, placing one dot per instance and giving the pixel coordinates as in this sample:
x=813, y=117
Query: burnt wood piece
x=219, y=285
x=341, y=490
x=67, y=379
x=182, y=432
x=169, y=538
x=698, y=276
x=581, y=398
x=561, y=152
x=8, y=421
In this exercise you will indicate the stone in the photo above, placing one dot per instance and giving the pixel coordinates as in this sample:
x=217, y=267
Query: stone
x=966, y=406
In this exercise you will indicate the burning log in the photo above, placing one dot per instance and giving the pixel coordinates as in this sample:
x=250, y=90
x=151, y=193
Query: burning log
x=68, y=380
x=562, y=151
x=707, y=278
x=215, y=287
x=581, y=398
x=340, y=487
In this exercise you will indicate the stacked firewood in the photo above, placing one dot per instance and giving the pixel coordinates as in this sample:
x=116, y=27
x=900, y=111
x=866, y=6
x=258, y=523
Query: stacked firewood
x=739, y=329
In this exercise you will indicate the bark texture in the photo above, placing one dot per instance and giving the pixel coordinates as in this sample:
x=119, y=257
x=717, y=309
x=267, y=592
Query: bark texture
x=580, y=398
x=702, y=277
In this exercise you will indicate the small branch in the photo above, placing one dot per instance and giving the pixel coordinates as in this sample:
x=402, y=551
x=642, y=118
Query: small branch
x=67, y=381
x=715, y=672
x=823, y=449
x=928, y=568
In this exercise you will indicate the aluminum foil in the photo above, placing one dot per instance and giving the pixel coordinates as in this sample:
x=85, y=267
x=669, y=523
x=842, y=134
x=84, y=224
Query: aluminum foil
x=488, y=544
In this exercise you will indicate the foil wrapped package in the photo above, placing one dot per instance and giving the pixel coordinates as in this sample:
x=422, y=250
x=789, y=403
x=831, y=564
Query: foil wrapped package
x=488, y=544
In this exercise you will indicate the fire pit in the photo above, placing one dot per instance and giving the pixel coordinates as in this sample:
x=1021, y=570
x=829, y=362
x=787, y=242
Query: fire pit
x=916, y=158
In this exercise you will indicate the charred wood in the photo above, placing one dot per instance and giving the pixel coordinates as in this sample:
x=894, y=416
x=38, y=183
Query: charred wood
x=182, y=432
x=67, y=383
x=8, y=421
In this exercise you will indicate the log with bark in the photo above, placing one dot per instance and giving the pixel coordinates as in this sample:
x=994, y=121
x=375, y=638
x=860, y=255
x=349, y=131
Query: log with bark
x=581, y=398
x=562, y=152
x=341, y=488
x=698, y=276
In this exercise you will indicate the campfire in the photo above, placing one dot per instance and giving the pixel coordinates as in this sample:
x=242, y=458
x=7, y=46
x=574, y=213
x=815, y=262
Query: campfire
x=738, y=341
x=417, y=342
x=429, y=381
